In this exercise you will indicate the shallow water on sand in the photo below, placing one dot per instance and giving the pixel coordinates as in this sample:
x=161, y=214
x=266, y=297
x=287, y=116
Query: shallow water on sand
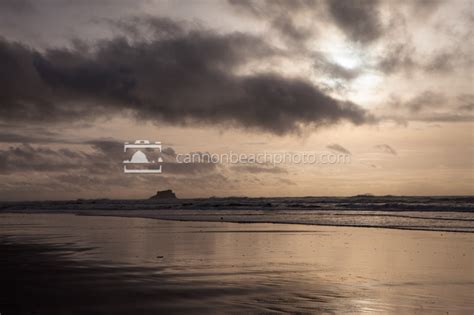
x=125, y=265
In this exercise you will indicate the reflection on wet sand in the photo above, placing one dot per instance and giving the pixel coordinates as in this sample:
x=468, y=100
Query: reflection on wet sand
x=63, y=262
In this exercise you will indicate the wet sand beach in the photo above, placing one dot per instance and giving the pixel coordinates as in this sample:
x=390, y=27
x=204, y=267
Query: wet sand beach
x=63, y=263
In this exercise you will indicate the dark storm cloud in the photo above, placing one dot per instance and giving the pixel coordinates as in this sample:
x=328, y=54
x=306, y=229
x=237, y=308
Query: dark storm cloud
x=441, y=63
x=431, y=106
x=396, y=58
x=107, y=146
x=275, y=7
x=289, y=30
x=26, y=158
x=44, y=23
x=141, y=27
x=13, y=137
x=182, y=78
x=280, y=16
x=105, y=159
x=446, y=117
x=359, y=20
x=39, y=172
x=403, y=58
x=16, y=6
x=425, y=8
x=338, y=148
x=386, y=149
x=426, y=100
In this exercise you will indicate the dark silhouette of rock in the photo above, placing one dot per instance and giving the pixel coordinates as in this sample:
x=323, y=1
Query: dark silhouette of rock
x=164, y=194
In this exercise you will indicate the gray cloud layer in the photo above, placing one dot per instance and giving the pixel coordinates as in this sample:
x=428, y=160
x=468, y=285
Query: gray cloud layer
x=94, y=168
x=359, y=20
x=338, y=148
x=430, y=106
x=386, y=149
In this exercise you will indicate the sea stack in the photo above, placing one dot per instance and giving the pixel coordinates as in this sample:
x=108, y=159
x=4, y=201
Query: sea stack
x=164, y=194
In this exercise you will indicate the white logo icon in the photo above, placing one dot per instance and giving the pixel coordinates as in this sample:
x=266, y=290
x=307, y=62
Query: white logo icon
x=139, y=163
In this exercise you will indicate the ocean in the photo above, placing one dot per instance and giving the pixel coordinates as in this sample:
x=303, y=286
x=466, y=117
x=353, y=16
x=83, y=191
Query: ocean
x=440, y=213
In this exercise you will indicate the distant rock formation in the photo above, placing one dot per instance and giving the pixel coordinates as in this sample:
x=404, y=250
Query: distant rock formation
x=367, y=195
x=164, y=194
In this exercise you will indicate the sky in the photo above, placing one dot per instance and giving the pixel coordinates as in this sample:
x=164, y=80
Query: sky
x=387, y=83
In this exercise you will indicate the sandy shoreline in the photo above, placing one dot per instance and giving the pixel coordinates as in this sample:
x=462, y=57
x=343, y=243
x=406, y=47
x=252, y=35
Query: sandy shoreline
x=227, y=267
